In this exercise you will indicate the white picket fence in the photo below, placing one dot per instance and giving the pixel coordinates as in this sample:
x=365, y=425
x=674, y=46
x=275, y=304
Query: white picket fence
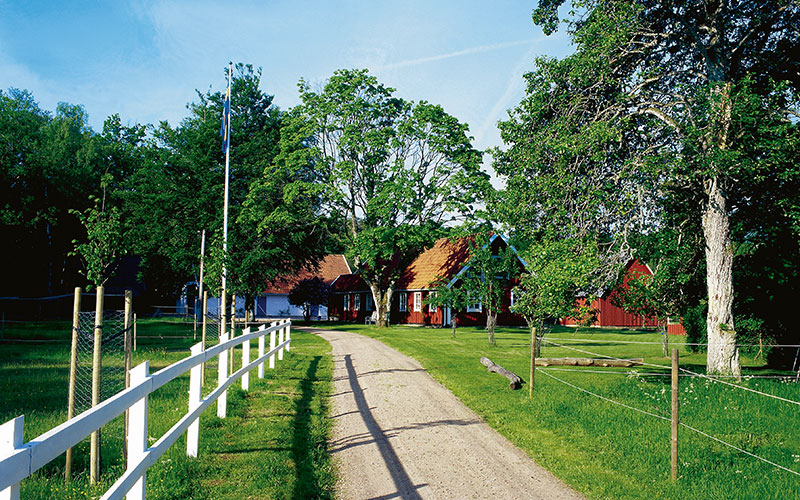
x=19, y=460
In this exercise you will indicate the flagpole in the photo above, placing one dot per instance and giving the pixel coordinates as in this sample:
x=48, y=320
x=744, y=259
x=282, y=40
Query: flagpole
x=227, y=188
x=222, y=313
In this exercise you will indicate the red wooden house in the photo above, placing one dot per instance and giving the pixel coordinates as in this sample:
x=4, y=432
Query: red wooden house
x=611, y=315
x=447, y=259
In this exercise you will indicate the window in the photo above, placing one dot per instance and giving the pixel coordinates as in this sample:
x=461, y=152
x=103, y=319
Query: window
x=357, y=302
x=417, y=301
x=474, y=305
x=369, y=306
x=347, y=302
x=432, y=308
x=403, y=299
x=513, y=299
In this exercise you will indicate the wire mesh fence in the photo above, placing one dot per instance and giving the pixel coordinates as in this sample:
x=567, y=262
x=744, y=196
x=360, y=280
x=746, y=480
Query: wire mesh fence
x=112, y=374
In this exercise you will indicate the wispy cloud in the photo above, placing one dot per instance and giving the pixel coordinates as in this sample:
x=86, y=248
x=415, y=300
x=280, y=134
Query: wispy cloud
x=458, y=53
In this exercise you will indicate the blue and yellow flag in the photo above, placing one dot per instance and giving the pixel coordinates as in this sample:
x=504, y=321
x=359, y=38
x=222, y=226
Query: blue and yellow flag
x=225, y=131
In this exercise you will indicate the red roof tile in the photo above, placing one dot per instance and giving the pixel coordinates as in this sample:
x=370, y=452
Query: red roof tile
x=328, y=270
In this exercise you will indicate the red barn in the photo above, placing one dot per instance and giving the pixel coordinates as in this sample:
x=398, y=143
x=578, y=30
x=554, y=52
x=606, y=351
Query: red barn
x=611, y=315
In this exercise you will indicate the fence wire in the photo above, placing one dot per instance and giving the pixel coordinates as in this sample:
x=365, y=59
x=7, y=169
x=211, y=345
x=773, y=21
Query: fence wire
x=112, y=373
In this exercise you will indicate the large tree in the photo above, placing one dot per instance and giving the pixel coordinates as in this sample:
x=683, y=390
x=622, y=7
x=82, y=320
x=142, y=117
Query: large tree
x=396, y=171
x=695, y=97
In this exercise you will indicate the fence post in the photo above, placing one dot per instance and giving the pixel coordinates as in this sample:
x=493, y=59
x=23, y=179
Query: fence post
x=533, y=361
x=10, y=440
x=137, y=432
x=280, y=340
x=272, y=345
x=261, y=351
x=94, y=467
x=675, y=421
x=233, y=330
x=246, y=360
x=289, y=334
x=222, y=376
x=73, y=372
x=195, y=377
x=127, y=338
x=203, y=336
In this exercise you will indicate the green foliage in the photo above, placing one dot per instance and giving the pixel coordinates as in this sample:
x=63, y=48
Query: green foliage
x=104, y=243
x=395, y=171
x=694, y=322
x=557, y=272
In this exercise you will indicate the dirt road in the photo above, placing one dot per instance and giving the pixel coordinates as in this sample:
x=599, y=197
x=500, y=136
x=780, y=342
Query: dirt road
x=399, y=434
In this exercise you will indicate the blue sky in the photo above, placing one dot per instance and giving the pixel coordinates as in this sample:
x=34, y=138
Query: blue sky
x=144, y=60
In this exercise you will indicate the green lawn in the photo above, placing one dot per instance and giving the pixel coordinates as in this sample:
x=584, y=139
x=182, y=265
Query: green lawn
x=273, y=444
x=605, y=450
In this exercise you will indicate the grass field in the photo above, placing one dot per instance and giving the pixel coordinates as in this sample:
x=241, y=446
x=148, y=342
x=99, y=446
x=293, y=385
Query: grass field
x=605, y=450
x=273, y=444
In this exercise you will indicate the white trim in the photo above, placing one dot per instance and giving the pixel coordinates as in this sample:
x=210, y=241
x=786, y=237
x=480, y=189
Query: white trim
x=346, y=301
x=402, y=302
x=357, y=302
x=417, y=302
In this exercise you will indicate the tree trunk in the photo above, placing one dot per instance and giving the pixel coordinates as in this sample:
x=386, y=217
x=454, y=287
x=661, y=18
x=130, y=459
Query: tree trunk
x=664, y=340
x=491, y=321
x=723, y=355
x=383, y=302
x=454, y=324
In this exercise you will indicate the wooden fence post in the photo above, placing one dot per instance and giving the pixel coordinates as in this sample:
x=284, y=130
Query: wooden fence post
x=137, y=432
x=222, y=376
x=195, y=388
x=280, y=340
x=272, y=345
x=73, y=372
x=10, y=440
x=203, y=336
x=127, y=338
x=246, y=360
x=675, y=421
x=261, y=352
x=533, y=361
x=94, y=467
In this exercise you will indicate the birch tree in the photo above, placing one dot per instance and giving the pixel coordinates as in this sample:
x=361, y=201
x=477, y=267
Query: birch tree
x=684, y=89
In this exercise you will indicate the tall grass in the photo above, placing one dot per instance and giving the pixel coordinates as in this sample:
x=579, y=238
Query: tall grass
x=273, y=444
x=608, y=451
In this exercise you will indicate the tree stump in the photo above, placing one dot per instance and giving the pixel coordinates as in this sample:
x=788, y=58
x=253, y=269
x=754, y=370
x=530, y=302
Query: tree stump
x=515, y=381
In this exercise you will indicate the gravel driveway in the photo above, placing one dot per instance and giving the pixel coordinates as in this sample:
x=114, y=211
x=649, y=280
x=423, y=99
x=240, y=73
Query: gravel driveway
x=399, y=434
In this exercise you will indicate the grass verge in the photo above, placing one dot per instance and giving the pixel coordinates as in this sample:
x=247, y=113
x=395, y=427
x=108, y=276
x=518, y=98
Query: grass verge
x=605, y=450
x=272, y=445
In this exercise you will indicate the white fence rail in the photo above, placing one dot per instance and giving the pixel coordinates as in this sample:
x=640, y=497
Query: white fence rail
x=19, y=460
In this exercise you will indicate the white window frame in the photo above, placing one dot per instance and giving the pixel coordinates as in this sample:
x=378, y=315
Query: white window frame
x=513, y=300
x=369, y=306
x=432, y=308
x=417, y=302
x=473, y=307
x=402, y=302
x=357, y=302
x=347, y=302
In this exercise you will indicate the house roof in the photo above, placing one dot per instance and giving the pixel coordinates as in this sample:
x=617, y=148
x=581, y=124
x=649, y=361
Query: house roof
x=349, y=283
x=443, y=260
x=327, y=270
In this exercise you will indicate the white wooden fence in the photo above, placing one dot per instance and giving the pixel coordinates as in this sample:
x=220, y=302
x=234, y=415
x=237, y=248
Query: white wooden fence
x=19, y=460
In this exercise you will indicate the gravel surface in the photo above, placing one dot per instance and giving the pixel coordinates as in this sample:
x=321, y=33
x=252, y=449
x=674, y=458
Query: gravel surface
x=399, y=434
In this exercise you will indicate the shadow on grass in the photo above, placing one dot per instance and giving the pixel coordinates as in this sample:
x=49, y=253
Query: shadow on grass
x=304, y=444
